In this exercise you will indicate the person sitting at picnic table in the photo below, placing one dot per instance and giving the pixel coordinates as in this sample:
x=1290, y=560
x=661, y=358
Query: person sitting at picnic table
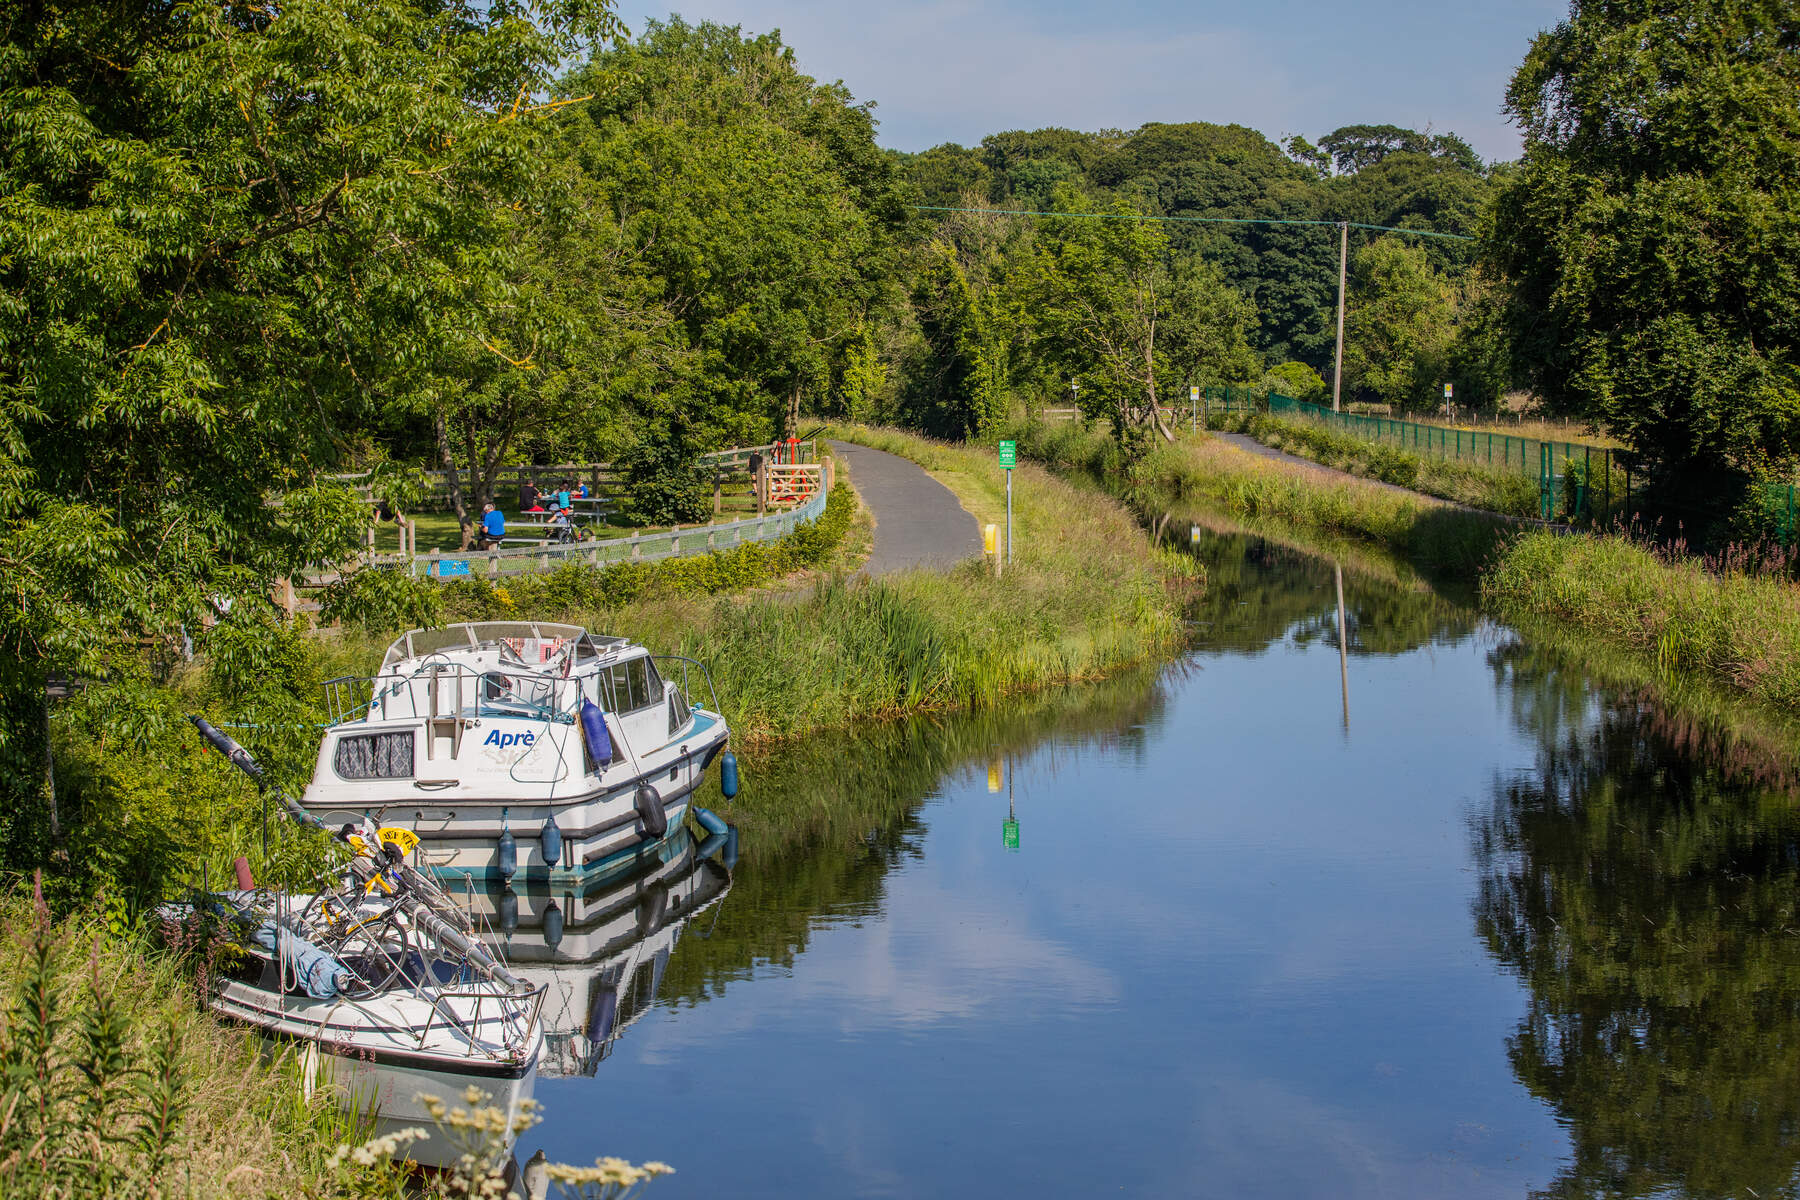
x=537, y=505
x=493, y=526
x=581, y=490
x=528, y=495
x=562, y=525
x=562, y=496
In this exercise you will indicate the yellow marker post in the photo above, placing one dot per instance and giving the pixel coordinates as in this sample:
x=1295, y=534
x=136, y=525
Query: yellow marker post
x=990, y=545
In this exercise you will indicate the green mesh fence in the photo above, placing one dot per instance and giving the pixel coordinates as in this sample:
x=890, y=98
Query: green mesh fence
x=1577, y=481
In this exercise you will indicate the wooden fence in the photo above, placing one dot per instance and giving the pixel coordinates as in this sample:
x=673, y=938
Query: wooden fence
x=603, y=479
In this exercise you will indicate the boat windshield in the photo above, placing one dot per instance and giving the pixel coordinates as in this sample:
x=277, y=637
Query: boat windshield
x=529, y=643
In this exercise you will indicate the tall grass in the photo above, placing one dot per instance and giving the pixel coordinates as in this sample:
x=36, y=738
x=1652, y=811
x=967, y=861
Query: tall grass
x=1430, y=534
x=115, y=1083
x=1086, y=595
x=1740, y=628
x=1511, y=493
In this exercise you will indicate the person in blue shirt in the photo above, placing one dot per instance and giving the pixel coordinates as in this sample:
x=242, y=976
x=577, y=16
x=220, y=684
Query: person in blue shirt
x=493, y=526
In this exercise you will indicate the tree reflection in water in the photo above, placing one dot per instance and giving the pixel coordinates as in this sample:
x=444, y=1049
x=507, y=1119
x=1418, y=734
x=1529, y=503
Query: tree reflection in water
x=1643, y=880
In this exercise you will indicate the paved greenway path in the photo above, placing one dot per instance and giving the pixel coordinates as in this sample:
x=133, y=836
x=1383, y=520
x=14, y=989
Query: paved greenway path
x=918, y=522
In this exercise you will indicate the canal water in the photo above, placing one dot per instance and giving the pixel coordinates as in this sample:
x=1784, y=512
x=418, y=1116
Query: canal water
x=1437, y=915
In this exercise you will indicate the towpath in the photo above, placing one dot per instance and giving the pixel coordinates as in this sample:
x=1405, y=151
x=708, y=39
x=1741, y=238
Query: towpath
x=918, y=522
x=1251, y=446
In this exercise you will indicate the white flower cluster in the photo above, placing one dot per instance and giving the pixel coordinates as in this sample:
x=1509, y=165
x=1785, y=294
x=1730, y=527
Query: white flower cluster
x=375, y=1150
x=610, y=1175
x=479, y=1124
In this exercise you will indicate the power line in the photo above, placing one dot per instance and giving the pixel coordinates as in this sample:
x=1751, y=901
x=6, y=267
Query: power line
x=1024, y=212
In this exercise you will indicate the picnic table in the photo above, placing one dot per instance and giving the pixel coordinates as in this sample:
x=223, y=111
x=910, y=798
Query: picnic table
x=540, y=523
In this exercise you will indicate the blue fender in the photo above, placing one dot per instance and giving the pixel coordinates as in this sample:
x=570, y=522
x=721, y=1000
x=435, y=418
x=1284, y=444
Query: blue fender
x=594, y=734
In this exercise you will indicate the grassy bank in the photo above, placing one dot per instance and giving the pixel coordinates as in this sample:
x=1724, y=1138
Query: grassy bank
x=1086, y=595
x=1434, y=536
x=117, y=1084
x=1511, y=493
x=1740, y=629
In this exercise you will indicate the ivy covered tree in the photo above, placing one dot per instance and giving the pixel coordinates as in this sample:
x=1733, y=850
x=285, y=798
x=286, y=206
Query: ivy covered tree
x=1649, y=237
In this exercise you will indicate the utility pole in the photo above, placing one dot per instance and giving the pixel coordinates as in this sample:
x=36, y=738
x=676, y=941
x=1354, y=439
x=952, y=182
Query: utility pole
x=1337, y=370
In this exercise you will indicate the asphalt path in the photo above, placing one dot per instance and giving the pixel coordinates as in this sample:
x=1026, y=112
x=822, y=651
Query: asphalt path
x=918, y=521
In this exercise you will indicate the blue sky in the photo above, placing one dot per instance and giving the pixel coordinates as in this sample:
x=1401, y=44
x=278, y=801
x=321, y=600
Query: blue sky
x=954, y=70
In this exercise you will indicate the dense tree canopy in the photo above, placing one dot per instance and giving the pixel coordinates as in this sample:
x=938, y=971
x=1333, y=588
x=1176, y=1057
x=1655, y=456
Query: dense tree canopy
x=226, y=235
x=1651, y=232
x=1277, y=269
x=755, y=208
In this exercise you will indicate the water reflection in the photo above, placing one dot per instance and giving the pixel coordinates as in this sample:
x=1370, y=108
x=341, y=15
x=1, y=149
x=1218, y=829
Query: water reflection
x=1641, y=878
x=1646, y=895
x=1233, y=953
x=1261, y=590
x=838, y=812
x=600, y=952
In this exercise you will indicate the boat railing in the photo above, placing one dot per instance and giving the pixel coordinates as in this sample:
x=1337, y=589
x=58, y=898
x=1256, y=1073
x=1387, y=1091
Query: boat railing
x=444, y=689
x=665, y=661
x=519, y=1014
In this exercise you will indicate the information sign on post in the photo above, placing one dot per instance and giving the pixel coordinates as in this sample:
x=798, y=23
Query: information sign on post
x=1194, y=404
x=1009, y=456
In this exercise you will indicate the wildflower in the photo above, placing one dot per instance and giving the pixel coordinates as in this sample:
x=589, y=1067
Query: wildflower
x=375, y=1150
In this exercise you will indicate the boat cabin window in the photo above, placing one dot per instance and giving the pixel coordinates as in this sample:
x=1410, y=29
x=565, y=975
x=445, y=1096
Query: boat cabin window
x=678, y=711
x=374, y=756
x=634, y=685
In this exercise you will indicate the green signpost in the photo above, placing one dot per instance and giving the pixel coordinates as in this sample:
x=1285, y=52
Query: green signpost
x=1010, y=831
x=1009, y=456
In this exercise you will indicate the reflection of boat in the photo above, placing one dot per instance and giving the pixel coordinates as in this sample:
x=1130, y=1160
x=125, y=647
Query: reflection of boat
x=520, y=746
x=598, y=954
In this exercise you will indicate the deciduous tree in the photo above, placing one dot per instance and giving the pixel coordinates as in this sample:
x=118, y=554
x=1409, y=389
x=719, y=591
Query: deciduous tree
x=1650, y=235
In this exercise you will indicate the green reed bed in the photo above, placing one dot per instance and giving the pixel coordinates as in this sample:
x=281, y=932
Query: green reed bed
x=1738, y=627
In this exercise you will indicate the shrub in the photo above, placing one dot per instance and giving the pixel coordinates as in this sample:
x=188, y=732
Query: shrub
x=664, y=486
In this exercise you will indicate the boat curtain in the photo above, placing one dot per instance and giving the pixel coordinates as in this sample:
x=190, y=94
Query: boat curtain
x=375, y=756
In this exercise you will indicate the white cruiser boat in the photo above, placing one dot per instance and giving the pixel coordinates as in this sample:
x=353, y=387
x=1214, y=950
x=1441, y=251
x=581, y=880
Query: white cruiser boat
x=521, y=747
